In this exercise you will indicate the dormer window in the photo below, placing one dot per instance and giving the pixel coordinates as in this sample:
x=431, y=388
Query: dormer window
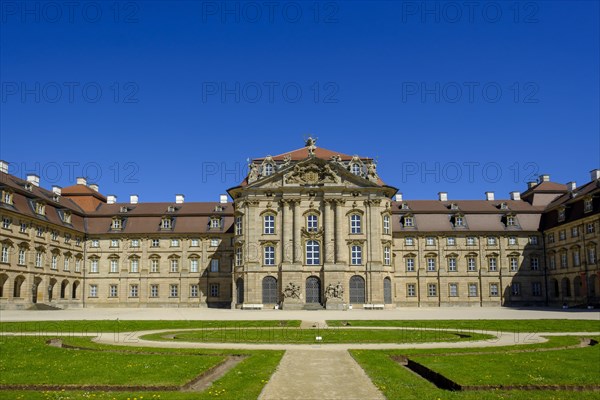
x=405, y=206
x=218, y=208
x=511, y=220
x=124, y=209
x=166, y=223
x=454, y=206
x=268, y=169
x=215, y=223
x=503, y=206
x=409, y=221
x=56, y=198
x=587, y=205
x=355, y=168
x=7, y=197
x=66, y=217
x=458, y=220
x=40, y=208
x=28, y=186
x=561, y=214
x=117, y=224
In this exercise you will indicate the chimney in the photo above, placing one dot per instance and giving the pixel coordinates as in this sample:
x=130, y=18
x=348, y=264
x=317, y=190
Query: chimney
x=179, y=198
x=571, y=186
x=111, y=199
x=133, y=199
x=223, y=199
x=544, y=178
x=81, y=181
x=3, y=166
x=57, y=190
x=94, y=187
x=33, y=179
x=443, y=196
x=515, y=196
x=531, y=184
x=594, y=174
x=489, y=196
x=398, y=196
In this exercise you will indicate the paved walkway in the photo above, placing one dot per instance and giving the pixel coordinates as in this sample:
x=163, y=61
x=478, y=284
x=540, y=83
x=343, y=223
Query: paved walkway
x=195, y=314
x=322, y=375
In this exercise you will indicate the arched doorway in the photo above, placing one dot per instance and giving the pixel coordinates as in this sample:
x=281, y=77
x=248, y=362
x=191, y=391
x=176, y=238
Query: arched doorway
x=64, y=286
x=555, y=288
x=387, y=290
x=592, y=285
x=357, y=289
x=269, y=290
x=239, y=285
x=313, y=290
x=3, y=283
x=577, y=286
x=19, y=280
x=565, y=287
x=35, y=289
x=74, y=289
x=51, y=286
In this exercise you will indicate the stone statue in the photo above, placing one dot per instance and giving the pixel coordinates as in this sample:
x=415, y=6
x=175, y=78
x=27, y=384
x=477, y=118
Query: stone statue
x=253, y=173
x=311, y=144
x=337, y=159
x=291, y=291
x=287, y=159
x=372, y=171
x=334, y=291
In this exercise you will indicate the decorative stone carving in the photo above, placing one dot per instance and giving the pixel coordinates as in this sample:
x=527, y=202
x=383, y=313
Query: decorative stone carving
x=312, y=174
x=311, y=145
x=291, y=291
x=253, y=173
x=372, y=172
x=334, y=291
x=337, y=159
x=287, y=159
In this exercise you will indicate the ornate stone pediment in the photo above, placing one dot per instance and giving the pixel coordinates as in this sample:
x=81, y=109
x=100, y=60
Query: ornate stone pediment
x=312, y=174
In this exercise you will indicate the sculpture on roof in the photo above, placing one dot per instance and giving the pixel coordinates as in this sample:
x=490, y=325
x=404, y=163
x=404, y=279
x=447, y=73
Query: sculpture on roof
x=372, y=172
x=253, y=174
x=311, y=144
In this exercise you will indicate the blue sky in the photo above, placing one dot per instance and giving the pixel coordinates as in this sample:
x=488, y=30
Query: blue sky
x=158, y=98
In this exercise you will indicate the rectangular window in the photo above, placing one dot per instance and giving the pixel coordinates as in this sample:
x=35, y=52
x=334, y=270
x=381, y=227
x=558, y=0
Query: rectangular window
x=536, y=288
x=113, y=291
x=409, y=222
x=194, y=290
x=356, y=255
x=114, y=243
x=153, y=290
x=472, y=290
x=535, y=263
x=409, y=241
x=574, y=231
x=67, y=238
x=269, y=225
x=387, y=256
x=133, y=291
x=563, y=260
x=411, y=290
x=431, y=290
x=66, y=264
x=313, y=254
x=38, y=259
x=21, y=260
x=166, y=223
x=459, y=221
x=511, y=221
x=355, y=224
x=94, y=266
x=576, y=258
x=194, y=265
x=214, y=290
x=214, y=265
x=430, y=241
x=54, y=262
x=515, y=289
x=135, y=243
x=195, y=243
x=452, y=264
x=470, y=241
x=135, y=265
x=590, y=227
x=551, y=238
x=114, y=265
x=493, y=264
x=491, y=241
x=562, y=235
x=154, y=265
x=155, y=242
x=215, y=223
x=174, y=262
x=512, y=240
x=54, y=235
x=173, y=290
x=23, y=228
x=238, y=257
x=312, y=223
x=591, y=255
x=453, y=290
x=471, y=264
x=386, y=225
x=451, y=241
x=410, y=264
x=269, y=255
x=430, y=264
x=494, y=290
x=561, y=214
x=6, y=222
x=77, y=265
x=552, y=261
x=533, y=240
x=95, y=243
x=514, y=263
x=5, y=254
x=93, y=290
x=214, y=242
x=238, y=225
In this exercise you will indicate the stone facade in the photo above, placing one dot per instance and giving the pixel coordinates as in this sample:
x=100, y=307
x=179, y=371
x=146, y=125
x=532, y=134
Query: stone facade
x=310, y=228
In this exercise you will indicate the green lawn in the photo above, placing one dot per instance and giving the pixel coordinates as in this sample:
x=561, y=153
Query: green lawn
x=541, y=325
x=28, y=360
x=295, y=335
x=97, y=326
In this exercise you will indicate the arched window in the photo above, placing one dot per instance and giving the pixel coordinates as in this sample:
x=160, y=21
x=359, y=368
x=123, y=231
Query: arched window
x=357, y=289
x=313, y=253
x=355, y=168
x=268, y=169
x=387, y=290
x=239, y=285
x=269, y=290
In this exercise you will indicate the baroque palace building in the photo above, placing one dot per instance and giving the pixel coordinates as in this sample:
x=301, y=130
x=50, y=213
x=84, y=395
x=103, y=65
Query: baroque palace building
x=311, y=228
